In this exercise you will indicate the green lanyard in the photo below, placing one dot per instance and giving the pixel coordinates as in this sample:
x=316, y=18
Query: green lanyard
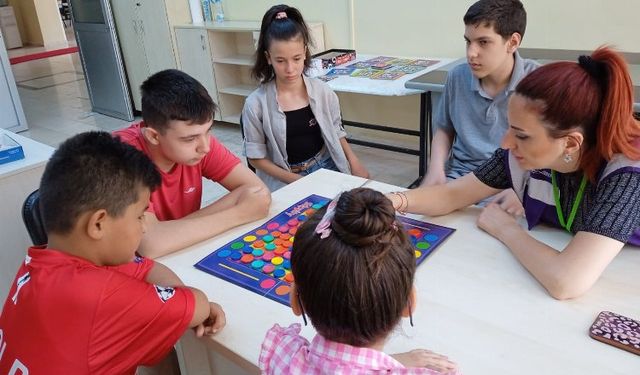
x=576, y=202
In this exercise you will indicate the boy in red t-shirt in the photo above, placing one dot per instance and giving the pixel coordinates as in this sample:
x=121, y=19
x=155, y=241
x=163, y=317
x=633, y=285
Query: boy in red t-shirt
x=177, y=115
x=85, y=303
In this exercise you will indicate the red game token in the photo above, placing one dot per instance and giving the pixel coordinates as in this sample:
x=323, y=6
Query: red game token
x=415, y=232
x=267, y=283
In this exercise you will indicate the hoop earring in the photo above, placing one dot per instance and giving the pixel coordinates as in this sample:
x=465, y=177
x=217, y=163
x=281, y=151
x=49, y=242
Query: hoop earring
x=304, y=316
x=410, y=314
x=567, y=158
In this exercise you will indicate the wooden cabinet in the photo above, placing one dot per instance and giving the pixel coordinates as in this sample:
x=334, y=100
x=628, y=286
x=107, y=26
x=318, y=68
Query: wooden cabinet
x=231, y=48
x=144, y=30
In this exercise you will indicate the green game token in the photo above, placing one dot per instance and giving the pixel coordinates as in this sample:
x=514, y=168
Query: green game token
x=423, y=245
x=237, y=245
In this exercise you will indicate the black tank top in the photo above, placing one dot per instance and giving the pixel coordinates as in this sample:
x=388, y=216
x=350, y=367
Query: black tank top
x=304, y=138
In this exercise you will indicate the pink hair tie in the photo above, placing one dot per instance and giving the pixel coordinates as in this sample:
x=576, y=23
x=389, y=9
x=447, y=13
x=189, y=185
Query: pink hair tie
x=324, y=226
x=281, y=15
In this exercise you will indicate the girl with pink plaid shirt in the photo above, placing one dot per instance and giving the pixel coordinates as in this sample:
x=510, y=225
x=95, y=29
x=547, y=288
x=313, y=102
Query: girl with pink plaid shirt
x=353, y=267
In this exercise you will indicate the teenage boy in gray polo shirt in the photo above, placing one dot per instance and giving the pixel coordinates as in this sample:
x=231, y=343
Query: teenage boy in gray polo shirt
x=472, y=117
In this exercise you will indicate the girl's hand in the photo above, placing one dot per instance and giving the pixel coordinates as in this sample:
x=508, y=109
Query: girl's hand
x=357, y=169
x=427, y=359
x=494, y=220
x=509, y=201
x=213, y=323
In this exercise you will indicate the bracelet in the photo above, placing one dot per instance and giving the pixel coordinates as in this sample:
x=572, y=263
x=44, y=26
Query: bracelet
x=404, y=202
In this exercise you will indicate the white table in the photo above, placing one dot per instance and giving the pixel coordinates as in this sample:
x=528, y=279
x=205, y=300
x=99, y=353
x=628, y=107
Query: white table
x=17, y=180
x=476, y=303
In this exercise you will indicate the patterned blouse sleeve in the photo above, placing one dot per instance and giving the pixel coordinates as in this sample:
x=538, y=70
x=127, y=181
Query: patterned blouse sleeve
x=494, y=172
x=616, y=209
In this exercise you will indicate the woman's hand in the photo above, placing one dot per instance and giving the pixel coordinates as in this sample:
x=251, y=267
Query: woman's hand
x=426, y=359
x=495, y=221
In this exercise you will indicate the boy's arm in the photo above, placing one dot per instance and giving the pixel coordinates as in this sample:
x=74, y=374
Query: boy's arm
x=440, y=149
x=357, y=168
x=248, y=200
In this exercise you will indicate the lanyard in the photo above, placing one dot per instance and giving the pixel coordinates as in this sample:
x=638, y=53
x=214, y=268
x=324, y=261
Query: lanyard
x=576, y=202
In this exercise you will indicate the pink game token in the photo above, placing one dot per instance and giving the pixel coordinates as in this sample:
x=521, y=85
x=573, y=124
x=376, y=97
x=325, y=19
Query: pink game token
x=283, y=229
x=272, y=226
x=267, y=256
x=292, y=222
x=267, y=283
x=287, y=255
x=268, y=268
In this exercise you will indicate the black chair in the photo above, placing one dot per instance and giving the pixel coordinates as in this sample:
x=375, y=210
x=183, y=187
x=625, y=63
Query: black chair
x=32, y=218
x=242, y=132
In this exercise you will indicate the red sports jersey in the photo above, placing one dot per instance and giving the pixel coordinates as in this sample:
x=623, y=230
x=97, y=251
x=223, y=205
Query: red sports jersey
x=65, y=315
x=181, y=190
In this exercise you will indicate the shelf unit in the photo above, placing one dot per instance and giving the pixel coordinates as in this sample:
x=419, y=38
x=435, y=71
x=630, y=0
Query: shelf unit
x=220, y=55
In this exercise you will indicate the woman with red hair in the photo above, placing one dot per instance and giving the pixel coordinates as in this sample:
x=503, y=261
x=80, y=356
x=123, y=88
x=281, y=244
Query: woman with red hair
x=572, y=155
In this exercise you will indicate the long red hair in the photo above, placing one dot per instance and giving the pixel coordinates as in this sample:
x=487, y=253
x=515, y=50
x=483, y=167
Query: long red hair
x=595, y=96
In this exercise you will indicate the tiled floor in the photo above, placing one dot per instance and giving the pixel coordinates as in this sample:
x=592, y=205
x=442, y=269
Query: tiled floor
x=56, y=104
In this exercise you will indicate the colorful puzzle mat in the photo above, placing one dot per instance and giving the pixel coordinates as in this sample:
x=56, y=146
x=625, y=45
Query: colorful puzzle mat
x=259, y=260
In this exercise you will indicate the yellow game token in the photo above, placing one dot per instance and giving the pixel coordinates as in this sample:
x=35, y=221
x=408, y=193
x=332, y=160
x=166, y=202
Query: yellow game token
x=418, y=253
x=277, y=261
x=249, y=238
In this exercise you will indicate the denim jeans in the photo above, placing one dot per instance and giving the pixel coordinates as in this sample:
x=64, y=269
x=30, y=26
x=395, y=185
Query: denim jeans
x=323, y=160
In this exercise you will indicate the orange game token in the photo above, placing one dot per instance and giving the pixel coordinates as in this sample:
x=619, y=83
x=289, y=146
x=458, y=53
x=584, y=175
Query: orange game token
x=293, y=231
x=259, y=244
x=309, y=211
x=280, y=250
x=247, y=258
x=285, y=236
x=262, y=232
x=414, y=232
x=289, y=277
x=278, y=242
x=287, y=244
x=275, y=234
x=283, y=290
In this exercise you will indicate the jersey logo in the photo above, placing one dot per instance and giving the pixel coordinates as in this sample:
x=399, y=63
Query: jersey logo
x=165, y=292
x=313, y=122
x=20, y=283
x=138, y=259
x=189, y=190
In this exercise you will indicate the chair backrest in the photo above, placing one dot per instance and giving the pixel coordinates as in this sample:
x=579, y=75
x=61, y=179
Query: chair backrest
x=242, y=132
x=32, y=218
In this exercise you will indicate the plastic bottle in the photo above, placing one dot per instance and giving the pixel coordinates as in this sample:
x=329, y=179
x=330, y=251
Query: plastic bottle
x=206, y=11
x=219, y=13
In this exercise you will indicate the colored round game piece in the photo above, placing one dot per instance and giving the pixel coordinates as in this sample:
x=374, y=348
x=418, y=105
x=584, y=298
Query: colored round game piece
x=268, y=238
x=237, y=245
x=288, y=277
x=423, y=245
x=262, y=232
x=293, y=231
x=317, y=206
x=309, y=211
x=249, y=238
x=285, y=236
x=431, y=237
x=247, y=250
x=275, y=234
x=293, y=222
x=224, y=253
x=257, y=253
x=283, y=290
x=247, y=258
x=272, y=226
x=267, y=283
x=279, y=272
x=278, y=241
x=267, y=256
x=268, y=268
x=418, y=253
x=302, y=217
x=415, y=232
x=288, y=244
x=236, y=255
x=257, y=264
x=283, y=229
x=277, y=261
x=286, y=264
x=280, y=250
x=270, y=246
x=287, y=255
x=258, y=244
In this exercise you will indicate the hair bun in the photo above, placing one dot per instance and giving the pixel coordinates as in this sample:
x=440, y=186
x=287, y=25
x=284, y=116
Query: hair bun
x=363, y=216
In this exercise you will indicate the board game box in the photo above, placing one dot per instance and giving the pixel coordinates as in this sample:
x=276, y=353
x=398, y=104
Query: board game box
x=259, y=260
